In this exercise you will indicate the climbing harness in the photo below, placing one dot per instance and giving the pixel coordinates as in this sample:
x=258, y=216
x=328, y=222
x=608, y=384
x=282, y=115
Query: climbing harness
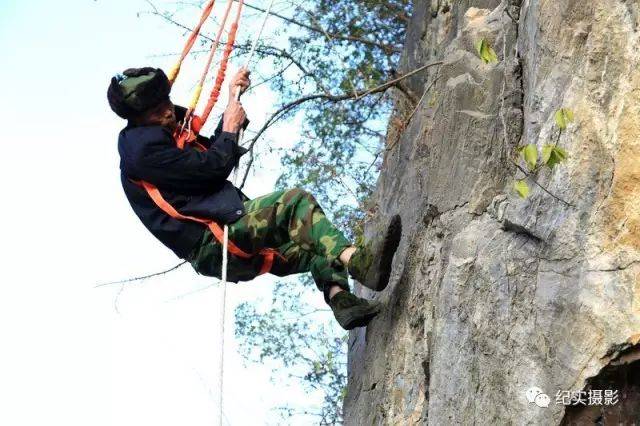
x=187, y=133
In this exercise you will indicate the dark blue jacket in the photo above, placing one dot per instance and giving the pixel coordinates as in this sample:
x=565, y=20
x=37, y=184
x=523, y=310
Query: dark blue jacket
x=193, y=182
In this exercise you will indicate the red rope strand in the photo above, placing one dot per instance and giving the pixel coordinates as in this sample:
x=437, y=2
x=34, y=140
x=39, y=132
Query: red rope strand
x=215, y=93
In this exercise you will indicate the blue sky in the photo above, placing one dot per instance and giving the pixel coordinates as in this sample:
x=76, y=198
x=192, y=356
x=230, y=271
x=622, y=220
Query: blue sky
x=73, y=354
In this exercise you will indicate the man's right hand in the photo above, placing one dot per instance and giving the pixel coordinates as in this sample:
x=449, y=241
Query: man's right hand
x=234, y=117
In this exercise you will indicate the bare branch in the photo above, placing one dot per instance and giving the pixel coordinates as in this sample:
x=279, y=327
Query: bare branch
x=169, y=19
x=329, y=98
x=144, y=277
x=389, y=49
x=281, y=53
x=402, y=88
x=532, y=179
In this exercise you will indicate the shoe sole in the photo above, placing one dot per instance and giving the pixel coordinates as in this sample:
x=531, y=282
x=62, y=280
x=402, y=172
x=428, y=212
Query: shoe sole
x=391, y=243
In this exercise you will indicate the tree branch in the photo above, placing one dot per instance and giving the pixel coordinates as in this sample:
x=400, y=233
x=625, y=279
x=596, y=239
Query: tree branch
x=329, y=98
x=530, y=177
x=144, y=277
x=281, y=53
x=402, y=88
x=389, y=49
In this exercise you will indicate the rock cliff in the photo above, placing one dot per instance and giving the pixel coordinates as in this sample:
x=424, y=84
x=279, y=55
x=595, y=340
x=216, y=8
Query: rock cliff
x=493, y=294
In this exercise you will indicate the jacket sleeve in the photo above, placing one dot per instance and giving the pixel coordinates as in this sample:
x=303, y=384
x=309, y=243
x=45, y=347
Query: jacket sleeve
x=206, y=142
x=189, y=170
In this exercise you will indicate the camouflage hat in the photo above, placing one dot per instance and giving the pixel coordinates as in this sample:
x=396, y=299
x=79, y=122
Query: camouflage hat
x=136, y=90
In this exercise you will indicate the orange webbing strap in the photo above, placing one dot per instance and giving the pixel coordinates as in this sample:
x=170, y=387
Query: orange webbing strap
x=173, y=73
x=189, y=134
x=268, y=254
x=215, y=93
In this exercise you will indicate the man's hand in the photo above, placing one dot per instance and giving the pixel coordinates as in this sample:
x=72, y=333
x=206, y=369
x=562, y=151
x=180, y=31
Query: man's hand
x=240, y=81
x=234, y=117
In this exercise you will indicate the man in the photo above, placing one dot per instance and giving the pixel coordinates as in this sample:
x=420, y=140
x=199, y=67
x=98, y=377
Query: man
x=194, y=182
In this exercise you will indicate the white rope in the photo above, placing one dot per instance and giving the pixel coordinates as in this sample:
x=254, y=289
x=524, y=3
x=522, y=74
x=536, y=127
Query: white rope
x=254, y=46
x=223, y=309
x=259, y=35
x=225, y=244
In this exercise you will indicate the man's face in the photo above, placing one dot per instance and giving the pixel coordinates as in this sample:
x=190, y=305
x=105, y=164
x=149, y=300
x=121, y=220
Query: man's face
x=163, y=114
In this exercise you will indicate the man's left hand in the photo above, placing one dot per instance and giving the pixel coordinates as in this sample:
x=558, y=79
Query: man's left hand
x=240, y=81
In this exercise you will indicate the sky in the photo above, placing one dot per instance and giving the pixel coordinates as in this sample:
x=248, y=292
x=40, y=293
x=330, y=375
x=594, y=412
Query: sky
x=73, y=354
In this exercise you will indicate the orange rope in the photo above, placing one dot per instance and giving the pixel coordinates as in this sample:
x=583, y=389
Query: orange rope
x=192, y=124
x=214, y=48
x=173, y=73
x=215, y=93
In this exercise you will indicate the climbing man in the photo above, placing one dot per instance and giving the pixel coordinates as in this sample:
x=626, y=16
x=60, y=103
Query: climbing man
x=192, y=183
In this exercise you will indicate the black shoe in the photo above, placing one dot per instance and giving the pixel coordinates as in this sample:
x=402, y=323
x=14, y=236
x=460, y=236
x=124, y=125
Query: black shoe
x=370, y=265
x=352, y=311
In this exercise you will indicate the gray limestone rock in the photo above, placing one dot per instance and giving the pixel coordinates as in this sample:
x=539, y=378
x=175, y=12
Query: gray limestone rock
x=493, y=294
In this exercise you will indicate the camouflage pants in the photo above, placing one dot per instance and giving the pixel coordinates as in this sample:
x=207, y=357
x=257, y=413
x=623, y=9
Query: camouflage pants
x=290, y=221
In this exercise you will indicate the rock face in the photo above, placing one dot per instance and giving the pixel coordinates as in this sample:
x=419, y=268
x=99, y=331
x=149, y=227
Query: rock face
x=493, y=294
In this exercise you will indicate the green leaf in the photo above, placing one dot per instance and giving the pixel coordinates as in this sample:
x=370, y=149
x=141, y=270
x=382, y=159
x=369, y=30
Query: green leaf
x=560, y=121
x=530, y=154
x=563, y=117
x=569, y=114
x=553, y=154
x=546, y=152
x=521, y=188
x=486, y=52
